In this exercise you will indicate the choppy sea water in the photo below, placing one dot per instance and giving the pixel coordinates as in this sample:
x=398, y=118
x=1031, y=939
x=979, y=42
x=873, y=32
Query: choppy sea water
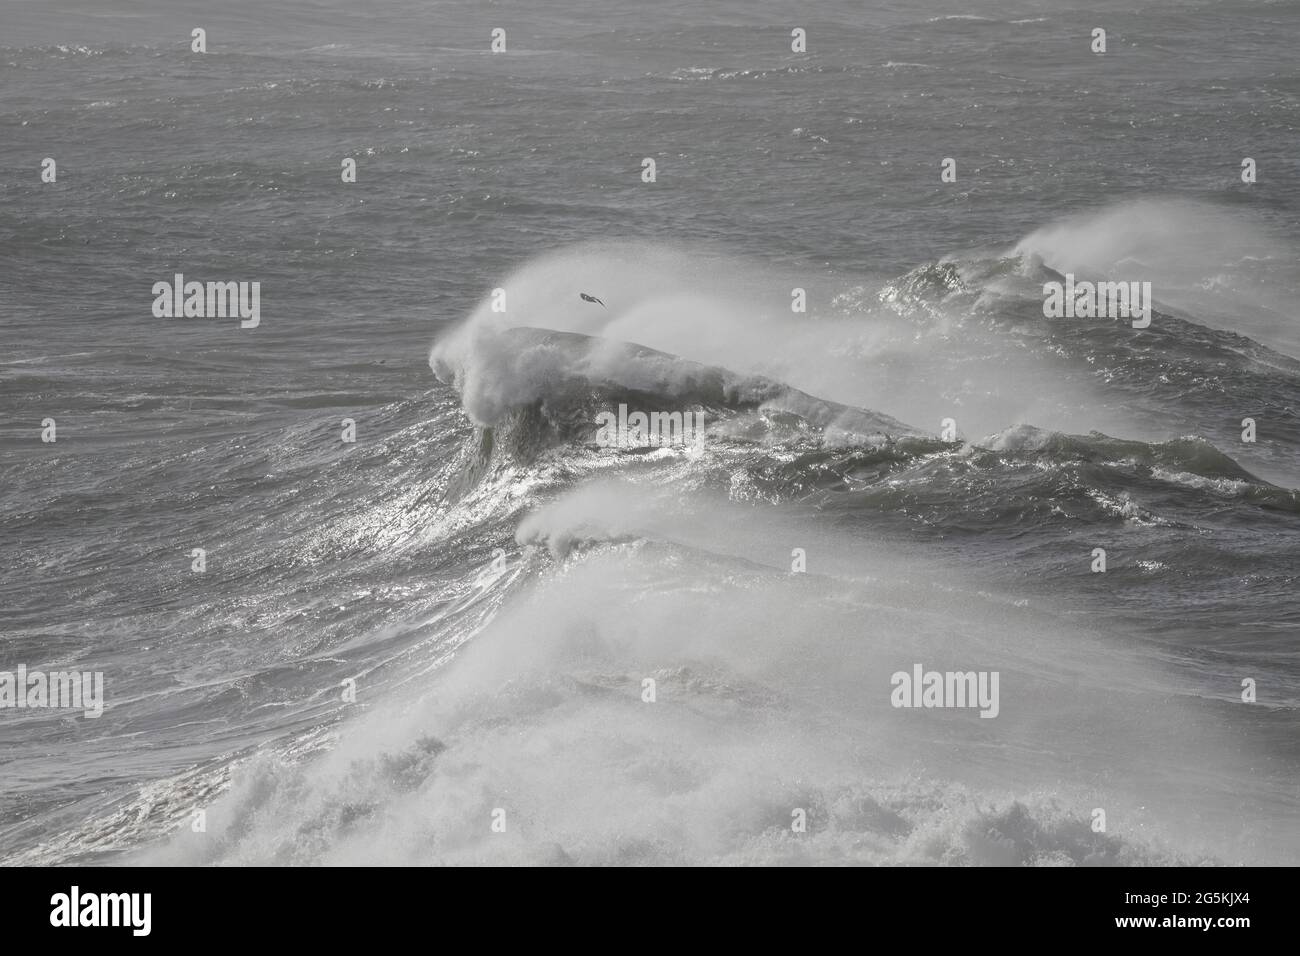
x=497, y=587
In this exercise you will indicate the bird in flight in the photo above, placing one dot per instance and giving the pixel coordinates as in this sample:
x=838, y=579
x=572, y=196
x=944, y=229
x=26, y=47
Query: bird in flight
x=591, y=298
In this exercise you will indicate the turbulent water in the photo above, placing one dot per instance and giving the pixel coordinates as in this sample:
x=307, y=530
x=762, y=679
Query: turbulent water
x=496, y=587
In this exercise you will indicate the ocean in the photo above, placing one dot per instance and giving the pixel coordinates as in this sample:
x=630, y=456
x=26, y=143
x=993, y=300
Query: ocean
x=365, y=586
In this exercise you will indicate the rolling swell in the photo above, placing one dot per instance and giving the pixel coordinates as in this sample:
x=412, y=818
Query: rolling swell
x=617, y=565
x=792, y=443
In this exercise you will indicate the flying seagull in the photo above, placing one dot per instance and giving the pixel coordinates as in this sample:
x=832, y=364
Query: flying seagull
x=591, y=298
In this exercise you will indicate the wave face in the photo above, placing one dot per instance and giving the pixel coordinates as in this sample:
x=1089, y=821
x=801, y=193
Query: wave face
x=459, y=613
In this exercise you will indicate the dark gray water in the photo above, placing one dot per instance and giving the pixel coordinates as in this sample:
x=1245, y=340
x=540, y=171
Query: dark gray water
x=498, y=587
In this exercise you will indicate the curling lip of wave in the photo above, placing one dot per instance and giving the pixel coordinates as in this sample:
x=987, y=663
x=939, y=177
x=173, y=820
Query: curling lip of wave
x=569, y=377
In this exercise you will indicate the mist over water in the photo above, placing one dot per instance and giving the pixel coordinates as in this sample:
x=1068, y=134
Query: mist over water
x=916, y=470
x=769, y=696
x=1223, y=266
